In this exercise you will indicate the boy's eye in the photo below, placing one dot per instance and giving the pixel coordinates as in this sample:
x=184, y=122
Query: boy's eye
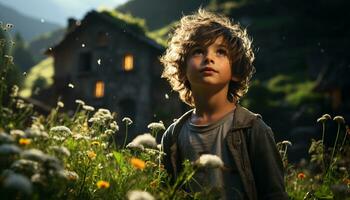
x=197, y=51
x=222, y=52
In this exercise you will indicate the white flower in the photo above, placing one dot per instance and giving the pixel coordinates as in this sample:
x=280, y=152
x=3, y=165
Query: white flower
x=63, y=129
x=27, y=165
x=114, y=126
x=80, y=136
x=156, y=126
x=78, y=101
x=139, y=195
x=70, y=85
x=143, y=140
x=34, y=131
x=339, y=119
x=9, y=149
x=210, y=161
x=166, y=96
x=286, y=142
x=17, y=183
x=62, y=150
x=88, y=108
x=17, y=133
x=109, y=132
x=14, y=91
x=34, y=154
x=127, y=120
x=60, y=104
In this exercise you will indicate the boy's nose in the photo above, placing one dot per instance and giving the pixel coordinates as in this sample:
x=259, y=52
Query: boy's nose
x=209, y=58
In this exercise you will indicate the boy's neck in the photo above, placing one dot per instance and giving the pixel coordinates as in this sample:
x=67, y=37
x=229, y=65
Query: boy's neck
x=211, y=107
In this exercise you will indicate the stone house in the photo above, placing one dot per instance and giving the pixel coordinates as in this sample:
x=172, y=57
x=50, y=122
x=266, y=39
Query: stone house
x=112, y=64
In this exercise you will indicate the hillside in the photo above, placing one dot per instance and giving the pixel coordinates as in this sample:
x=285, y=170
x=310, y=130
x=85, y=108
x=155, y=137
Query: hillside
x=159, y=13
x=28, y=27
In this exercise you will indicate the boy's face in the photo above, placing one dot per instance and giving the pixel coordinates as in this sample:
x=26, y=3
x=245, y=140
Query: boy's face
x=209, y=66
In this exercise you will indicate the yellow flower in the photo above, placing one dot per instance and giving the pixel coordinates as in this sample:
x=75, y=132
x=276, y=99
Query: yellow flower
x=138, y=163
x=95, y=143
x=91, y=155
x=24, y=141
x=103, y=184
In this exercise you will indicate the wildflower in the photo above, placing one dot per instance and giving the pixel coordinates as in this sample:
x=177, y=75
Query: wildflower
x=91, y=155
x=25, y=165
x=88, y=108
x=34, y=154
x=17, y=183
x=156, y=126
x=99, y=61
x=346, y=181
x=101, y=116
x=138, y=163
x=286, y=142
x=339, y=119
x=20, y=104
x=60, y=104
x=63, y=129
x=68, y=175
x=108, y=132
x=6, y=138
x=24, y=141
x=301, y=175
x=208, y=160
x=17, y=133
x=143, y=140
x=62, y=150
x=14, y=91
x=35, y=131
x=166, y=96
x=127, y=120
x=80, y=102
x=95, y=143
x=327, y=116
x=321, y=119
x=114, y=126
x=9, y=149
x=102, y=184
x=70, y=85
x=139, y=195
x=58, y=138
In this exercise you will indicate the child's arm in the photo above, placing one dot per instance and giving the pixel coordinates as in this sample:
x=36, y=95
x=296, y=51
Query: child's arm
x=266, y=163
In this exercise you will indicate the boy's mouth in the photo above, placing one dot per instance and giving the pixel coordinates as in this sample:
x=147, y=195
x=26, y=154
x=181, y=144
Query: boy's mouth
x=208, y=69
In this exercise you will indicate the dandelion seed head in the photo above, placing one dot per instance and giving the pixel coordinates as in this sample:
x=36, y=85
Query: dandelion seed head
x=60, y=104
x=61, y=129
x=339, y=119
x=80, y=102
x=127, y=120
x=286, y=142
x=61, y=150
x=327, y=116
x=156, y=126
x=139, y=195
x=210, y=161
x=145, y=140
x=321, y=119
x=17, y=133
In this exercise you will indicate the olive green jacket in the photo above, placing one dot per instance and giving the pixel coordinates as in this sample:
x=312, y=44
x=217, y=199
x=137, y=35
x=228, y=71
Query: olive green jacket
x=252, y=147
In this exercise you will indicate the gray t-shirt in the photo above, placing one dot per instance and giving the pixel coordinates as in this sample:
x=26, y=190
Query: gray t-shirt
x=195, y=140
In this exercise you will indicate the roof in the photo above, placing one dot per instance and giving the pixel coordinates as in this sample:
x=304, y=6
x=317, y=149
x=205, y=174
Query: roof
x=128, y=28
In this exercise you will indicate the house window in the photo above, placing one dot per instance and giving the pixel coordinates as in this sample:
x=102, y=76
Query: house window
x=99, y=89
x=128, y=64
x=102, y=39
x=85, y=59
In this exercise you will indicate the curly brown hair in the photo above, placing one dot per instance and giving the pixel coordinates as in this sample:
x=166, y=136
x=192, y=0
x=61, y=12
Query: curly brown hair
x=204, y=28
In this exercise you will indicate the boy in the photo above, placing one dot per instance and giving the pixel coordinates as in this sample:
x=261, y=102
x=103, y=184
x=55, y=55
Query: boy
x=209, y=62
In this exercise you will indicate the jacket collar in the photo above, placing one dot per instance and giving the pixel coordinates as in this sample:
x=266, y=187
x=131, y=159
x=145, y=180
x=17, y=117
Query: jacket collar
x=243, y=118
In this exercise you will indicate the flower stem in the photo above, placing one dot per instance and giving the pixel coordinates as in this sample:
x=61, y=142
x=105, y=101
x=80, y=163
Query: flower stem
x=335, y=145
x=126, y=135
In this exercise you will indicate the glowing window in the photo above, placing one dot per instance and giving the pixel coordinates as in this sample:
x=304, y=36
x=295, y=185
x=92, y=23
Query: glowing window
x=128, y=62
x=99, y=89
